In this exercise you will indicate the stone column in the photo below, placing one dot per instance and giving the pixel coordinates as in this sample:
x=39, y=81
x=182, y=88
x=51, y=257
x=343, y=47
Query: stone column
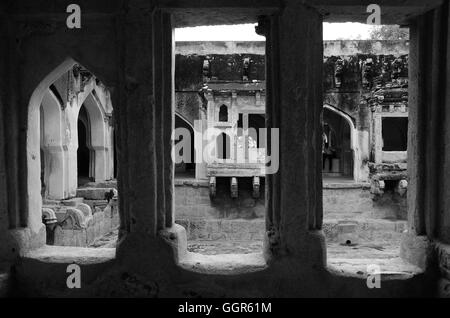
x=245, y=135
x=294, y=105
x=145, y=120
x=55, y=172
x=444, y=220
x=136, y=122
x=428, y=160
x=101, y=163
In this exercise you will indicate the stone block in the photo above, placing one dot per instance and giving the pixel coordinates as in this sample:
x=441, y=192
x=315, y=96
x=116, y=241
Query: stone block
x=92, y=193
x=72, y=202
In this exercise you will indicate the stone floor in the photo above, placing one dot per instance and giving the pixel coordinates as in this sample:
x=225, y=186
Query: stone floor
x=363, y=250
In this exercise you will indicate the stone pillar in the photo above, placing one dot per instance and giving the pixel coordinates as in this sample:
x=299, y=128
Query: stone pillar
x=145, y=121
x=54, y=166
x=294, y=105
x=428, y=161
x=7, y=215
x=137, y=123
x=70, y=146
x=443, y=220
x=200, y=144
x=101, y=163
x=245, y=135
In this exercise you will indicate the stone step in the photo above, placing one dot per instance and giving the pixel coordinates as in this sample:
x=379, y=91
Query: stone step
x=49, y=202
x=92, y=193
x=73, y=201
x=104, y=184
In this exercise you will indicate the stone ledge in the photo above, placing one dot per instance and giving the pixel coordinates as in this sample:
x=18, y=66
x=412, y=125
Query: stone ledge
x=326, y=185
x=346, y=185
x=69, y=254
x=390, y=269
x=223, y=264
x=191, y=182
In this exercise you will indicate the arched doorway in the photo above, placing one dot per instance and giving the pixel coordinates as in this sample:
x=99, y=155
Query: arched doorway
x=223, y=146
x=52, y=138
x=93, y=123
x=337, y=144
x=84, y=151
x=51, y=148
x=185, y=169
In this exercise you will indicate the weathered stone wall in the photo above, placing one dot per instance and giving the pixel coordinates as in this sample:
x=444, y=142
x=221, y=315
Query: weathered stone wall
x=188, y=105
x=352, y=72
x=116, y=44
x=192, y=200
x=224, y=218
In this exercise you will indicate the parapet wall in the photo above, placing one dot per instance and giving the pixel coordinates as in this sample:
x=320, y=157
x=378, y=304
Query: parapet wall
x=331, y=48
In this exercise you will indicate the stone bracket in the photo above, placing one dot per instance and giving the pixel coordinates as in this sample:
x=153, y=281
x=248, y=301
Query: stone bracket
x=256, y=187
x=212, y=187
x=234, y=187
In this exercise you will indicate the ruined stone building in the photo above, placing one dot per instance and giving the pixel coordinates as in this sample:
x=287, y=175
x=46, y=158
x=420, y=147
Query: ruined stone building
x=72, y=121
x=87, y=175
x=364, y=82
x=220, y=86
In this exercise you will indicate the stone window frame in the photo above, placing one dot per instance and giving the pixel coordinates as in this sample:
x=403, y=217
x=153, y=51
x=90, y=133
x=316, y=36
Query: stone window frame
x=382, y=156
x=221, y=107
x=303, y=229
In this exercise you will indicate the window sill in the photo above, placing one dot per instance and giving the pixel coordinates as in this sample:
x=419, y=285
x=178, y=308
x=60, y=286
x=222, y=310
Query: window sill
x=223, y=264
x=390, y=269
x=69, y=254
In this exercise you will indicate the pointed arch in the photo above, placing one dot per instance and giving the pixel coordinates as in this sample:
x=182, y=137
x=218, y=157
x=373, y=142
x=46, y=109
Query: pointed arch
x=51, y=144
x=354, y=145
x=98, y=139
x=34, y=198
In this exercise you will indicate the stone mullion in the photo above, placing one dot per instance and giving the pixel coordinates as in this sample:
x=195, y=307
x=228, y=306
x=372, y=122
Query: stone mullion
x=434, y=121
x=316, y=211
x=444, y=217
x=268, y=26
x=158, y=89
x=120, y=117
x=5, y=218
x=416, y=127
x=272, y=113
x=11, y=119
x=139, y=109
x=168, y=113
x=300, y=103
x=426, y=133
